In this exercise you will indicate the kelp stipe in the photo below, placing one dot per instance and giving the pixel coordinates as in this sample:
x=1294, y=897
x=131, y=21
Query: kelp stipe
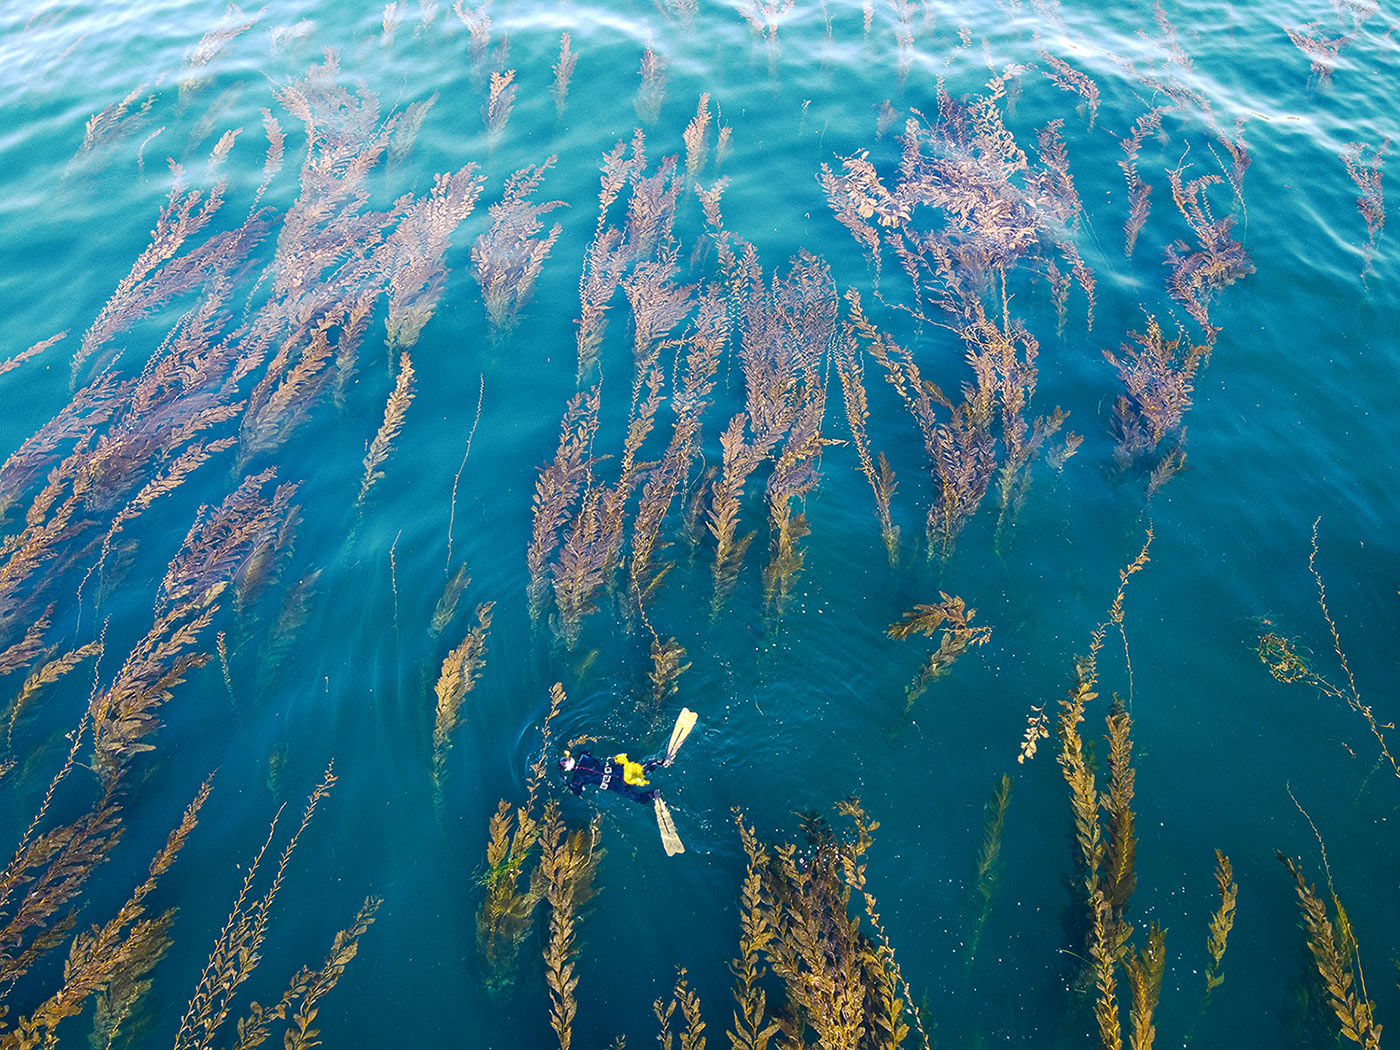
x=954, y=619
x=1287, y=664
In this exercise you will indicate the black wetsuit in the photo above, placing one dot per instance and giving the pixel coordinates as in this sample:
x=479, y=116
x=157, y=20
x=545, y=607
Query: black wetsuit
x=608, y=776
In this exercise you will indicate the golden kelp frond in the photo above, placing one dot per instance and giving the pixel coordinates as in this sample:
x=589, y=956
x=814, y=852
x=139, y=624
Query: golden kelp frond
x=692, y=1037
x=1145, y=969
x=215, y=549
x=1103, y=950
x=506, y=912
x=508, y=256
x=568, y=862
x=1221, y=921
x=753, y=1029
x=563, y=73
x=1037, y=729
x=558, y=486
x=126, y=946
x=1119, y=876
x=236, y=949
x=695, y=135
x=1346, y=989
x=344, y=948
x=1158, y=374
x=739, y=461
x=395, y=409
x=28, y=648
x=460, y=670
x=1370, y=201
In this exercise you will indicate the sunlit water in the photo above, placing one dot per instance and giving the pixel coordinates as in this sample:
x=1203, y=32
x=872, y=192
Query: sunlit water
x=1292, y=419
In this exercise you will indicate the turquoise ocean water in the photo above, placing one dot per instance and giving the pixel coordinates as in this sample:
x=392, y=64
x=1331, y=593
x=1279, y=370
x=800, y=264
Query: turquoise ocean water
x=328, y=647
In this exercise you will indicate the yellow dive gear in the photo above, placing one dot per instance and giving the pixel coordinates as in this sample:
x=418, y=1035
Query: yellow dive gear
x=632, y=772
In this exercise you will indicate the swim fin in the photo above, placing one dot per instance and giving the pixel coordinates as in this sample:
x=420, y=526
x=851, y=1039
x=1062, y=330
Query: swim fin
x=685, y=722
x=670, y=841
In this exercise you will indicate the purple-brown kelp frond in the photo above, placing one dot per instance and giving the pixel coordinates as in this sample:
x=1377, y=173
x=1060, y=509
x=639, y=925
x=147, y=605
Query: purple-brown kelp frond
x=509, y=255
x=559, y=485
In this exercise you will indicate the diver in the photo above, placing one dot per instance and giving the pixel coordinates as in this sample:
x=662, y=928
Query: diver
x=629, y=778
x=618, y=773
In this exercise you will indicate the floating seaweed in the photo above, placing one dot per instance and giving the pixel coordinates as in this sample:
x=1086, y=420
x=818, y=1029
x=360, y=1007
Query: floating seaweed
x=394, y=412
x=563, y=73
x=988, y=867
x=568, y=865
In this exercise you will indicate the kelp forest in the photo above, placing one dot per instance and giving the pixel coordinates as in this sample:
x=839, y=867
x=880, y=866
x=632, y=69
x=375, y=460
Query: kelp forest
x=394, y=402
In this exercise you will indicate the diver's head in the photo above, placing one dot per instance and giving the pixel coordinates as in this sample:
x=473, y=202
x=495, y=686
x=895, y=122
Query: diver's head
x=567, y=763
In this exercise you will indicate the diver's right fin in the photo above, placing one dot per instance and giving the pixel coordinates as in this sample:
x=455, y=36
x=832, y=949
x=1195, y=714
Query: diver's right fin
x=670, y=841
x=685, y=722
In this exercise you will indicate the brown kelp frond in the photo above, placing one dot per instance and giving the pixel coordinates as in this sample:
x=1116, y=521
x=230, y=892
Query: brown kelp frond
x=1119, y=876
x=1075, y=81
x=1037, y=729
x=344, y=947
x=499, y=102
x=850, y=368
x=236, y=949
x=214, y=552
x=1139, y=192
x=160, y=273
x=843, y=987
x=1218, y=260
x=1321, y=50
x=125, y=947
x=651, y=92
x=954, y=619
x=1158, y=374
x=395, y=409
x=695, y=135
x=34, y=351
x=446, y=607
x=1338, y=963
x=460, y=670
x=51, y=671
x=509, y=255
x=414, y=252
x=1103, y=950
x=666, y=668
x=506, y=913
x=1221, y=922
x=568, y=863
x=558, y=486
x=1370, y=201
x=987, y=870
